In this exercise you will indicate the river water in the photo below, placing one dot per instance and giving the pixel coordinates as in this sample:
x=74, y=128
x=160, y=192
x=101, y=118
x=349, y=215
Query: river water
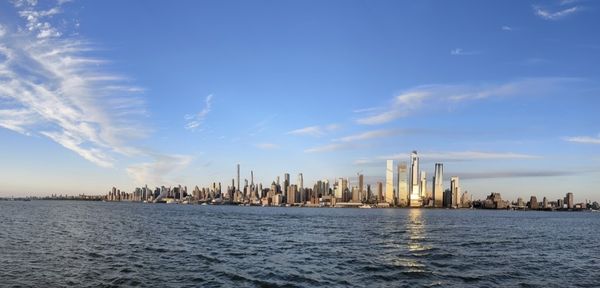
x=95, y=244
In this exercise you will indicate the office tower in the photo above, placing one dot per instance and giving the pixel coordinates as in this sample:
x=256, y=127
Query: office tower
x=389, y=182
x=438, y=185
x=545, y=203
x=286, y=182
x=465, y=200
x=415, y=198
x=402, y=184
x=251, y=178
x=533, y=204
x=339, y=188
x=238, y=178
x=291, y=194
x=379, y=192
x=300, y=182
x=569, y=200
x=361, y=183
x=455, y=190
x=423, y=185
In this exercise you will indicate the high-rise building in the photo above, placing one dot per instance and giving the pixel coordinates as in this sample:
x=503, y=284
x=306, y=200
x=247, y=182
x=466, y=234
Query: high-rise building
x=423, y=185
x=438, y=185
x=251, y=178
x=569, y=200
x=361, y=184
x=379, y=192
x=455, y=190
x=238, y=178
x=389, y=182
x=402, y=184
x=533, y=203
x=415, y=192
x=300, y=182
x=286, y=182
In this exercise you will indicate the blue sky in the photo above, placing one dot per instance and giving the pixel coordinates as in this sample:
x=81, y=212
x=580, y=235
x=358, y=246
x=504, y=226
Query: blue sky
x=95, y=94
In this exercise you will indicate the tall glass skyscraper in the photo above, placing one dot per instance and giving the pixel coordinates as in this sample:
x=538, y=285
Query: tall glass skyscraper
x=415, y=191
x=438, y=186
x=403, y=184
x=389, y=182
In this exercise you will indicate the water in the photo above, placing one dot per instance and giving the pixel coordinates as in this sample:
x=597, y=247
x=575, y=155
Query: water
x=92, y=244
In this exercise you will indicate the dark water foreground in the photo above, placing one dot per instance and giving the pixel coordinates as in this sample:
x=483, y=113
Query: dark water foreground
x=62, y=243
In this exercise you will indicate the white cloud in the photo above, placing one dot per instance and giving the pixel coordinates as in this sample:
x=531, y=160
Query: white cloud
x=330, y=147
x=583, y=139
x=157, y=172
x=196, y=120
x=50, y=87
x=550, y=15
x=367, y=135
x=436, y=96
x=506, y=28
x=461, y=52
x=315, y=131
x=450, y=156
x=267, y=146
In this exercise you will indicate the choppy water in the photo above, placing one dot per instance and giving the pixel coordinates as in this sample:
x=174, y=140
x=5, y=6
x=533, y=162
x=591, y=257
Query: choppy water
x=62, y=243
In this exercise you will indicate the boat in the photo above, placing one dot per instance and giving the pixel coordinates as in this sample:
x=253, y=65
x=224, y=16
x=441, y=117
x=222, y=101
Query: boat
x=365, y=206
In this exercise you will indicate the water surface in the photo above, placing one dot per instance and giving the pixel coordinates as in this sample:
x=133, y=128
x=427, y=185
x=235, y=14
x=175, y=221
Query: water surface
x=92, y=244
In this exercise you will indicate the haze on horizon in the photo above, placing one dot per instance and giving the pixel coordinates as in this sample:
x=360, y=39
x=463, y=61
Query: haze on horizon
x=96, y=94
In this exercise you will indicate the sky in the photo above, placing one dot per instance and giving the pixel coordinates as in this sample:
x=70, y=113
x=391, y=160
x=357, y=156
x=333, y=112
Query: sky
x=96, y=94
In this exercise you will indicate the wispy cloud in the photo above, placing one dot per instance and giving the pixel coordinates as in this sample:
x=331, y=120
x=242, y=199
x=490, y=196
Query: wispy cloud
x=462, y=52
x=367, y=135
x=314, y=131
x=49, y=86
x=555, y=15
x=194, y=121
x=452, y=156
x=506, y=28
x=353, y=141
x=441, y=95
x=514, y=174
x=267, y=146
x=583, y=139
x=158, y=171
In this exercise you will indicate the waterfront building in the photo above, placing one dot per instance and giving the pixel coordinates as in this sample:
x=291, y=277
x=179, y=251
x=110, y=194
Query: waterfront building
x=438, y=185
x=238, y=178
x=423, y=193
x=569, y=200
x=379, y=192
x=402, y=184
x=533, y=204
x=361, y=183
x=455, y=188
x=286, y=182
x=389, y=182
x=415, y=197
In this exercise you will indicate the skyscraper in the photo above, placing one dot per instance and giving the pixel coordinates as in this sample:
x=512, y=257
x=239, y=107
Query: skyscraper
x=402, y=184
x=286, y=182
x=300, y=182
x=361, y=183
x=455, y=190
x=251, y=178
x=438, y=185
x=415, y=198
x=389, y=182
x=424, y=185
x=238, y=178
x=569, y=200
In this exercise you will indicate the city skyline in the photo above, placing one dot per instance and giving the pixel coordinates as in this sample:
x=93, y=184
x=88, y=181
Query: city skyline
x=323, y=90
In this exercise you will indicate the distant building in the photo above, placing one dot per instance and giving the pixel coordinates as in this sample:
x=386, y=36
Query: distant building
x=438, y=185
x=494, y=201
x=402, y=184
x=569, y=200
x=533, y=204
x=415, y=192
x=389, y=182
x=455, y=188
